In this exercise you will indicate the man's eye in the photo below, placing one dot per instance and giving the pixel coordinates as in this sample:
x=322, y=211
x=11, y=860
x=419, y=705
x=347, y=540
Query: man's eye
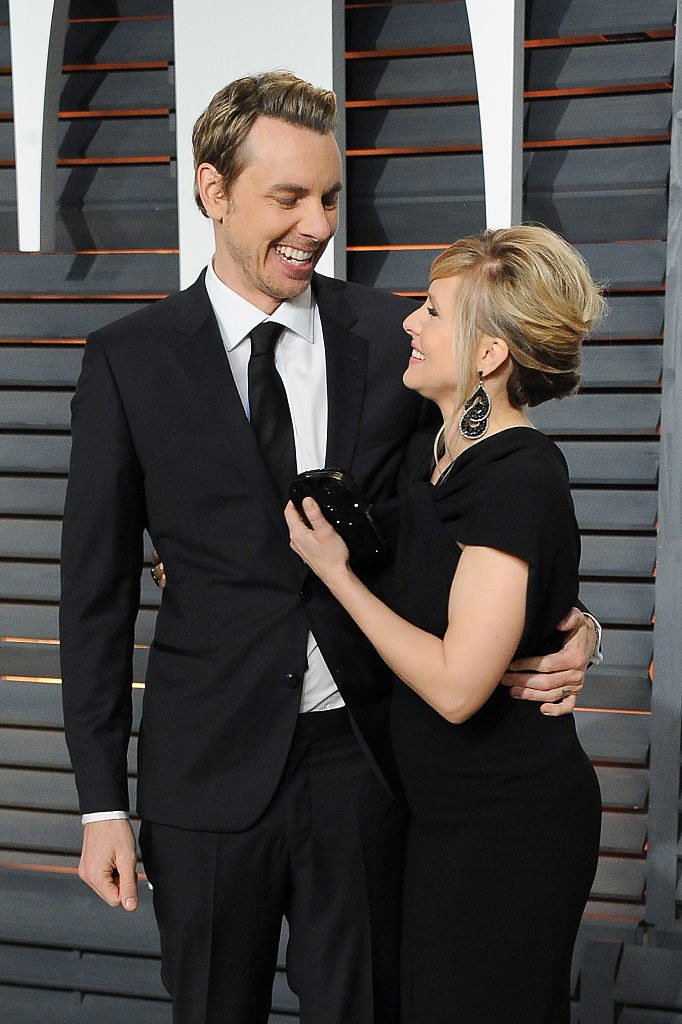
x=331, y=204
x=288, y=203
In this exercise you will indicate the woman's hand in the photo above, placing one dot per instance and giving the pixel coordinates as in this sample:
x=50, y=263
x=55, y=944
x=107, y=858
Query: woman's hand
x=320, y=546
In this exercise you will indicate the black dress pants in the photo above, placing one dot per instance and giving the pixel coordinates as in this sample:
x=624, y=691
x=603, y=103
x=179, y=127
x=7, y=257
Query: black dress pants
x=327, y=854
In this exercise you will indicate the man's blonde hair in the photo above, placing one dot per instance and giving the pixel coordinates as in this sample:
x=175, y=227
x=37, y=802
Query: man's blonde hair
x=220, y=133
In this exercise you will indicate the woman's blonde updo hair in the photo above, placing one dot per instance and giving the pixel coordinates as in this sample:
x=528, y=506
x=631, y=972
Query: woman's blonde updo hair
x=528, y=286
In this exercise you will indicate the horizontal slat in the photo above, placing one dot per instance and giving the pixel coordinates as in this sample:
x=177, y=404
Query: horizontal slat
x=35, y=748
x=627, y=366
x=606, y=414
x=32, y=495
x=585, y=18
x=23, y=1005
x=101, y=274
x=651, y=977
x=41, y=661
x=36, y=581
x=619, y=879
x=579, y=67
x=623, y=787
x=631, y=648
x=615, y=510
x=90, y=972
x=633, y=316
x=623, y=833
x=150, y=89
x=34, y=830
x=123, y=41
x=23, y=453
x=125, y=8
x=618, y=556
x=39, y=705
x=30, y=538
x=632, y=1015
x=53, y=909
x=35, y=410
x=407, y=25
x=53, y=365
x=599, y=65
x=613, y=737
x=626, y=266
x=612, y=686
x=622, y=116
x=41, y=620
x=612, y=462
x=614, y=192
x=114, y=188
x=628, y=604
x=98, y=139
x=28, y=790
x=60, y=319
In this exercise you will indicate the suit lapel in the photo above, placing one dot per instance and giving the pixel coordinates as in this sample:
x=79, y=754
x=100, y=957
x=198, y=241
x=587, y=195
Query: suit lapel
x=202, y=356
x=346, y=365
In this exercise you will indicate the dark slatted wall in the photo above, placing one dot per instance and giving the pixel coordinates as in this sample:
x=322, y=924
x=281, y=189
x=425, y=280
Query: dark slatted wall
x=597, y=122
x=597, y=127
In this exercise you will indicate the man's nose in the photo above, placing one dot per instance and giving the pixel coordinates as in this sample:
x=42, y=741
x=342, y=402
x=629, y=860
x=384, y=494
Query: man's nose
x=317, y=222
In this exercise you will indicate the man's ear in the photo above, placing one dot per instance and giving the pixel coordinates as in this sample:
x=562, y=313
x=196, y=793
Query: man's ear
x=210, y=186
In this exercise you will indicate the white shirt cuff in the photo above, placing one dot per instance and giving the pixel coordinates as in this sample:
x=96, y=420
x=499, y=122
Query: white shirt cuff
x=104, y=816
x=597, y=655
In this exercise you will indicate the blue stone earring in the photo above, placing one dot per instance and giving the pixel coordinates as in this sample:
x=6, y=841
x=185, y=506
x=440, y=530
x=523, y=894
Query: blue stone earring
x=474, y=421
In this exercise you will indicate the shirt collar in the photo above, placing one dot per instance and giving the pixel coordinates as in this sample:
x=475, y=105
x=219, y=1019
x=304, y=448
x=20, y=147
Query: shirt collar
x=237, y=317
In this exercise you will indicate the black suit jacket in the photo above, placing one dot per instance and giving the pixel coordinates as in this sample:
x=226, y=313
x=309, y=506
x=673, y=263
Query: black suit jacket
x=161, y=441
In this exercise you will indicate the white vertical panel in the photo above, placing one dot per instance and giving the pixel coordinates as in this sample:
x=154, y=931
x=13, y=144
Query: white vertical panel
x=37, y=31
x=218, y=42
x=496, y=28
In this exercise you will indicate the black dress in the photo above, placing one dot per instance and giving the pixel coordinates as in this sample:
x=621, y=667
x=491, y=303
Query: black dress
x=505, y=808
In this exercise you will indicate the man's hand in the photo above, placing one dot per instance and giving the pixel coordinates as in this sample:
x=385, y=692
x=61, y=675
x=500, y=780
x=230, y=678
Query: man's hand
x=556, y=678
x=108, y=862
x=157, y=570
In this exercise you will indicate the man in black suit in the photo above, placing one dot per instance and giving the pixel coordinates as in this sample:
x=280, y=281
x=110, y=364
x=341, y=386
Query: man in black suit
x=264, y=772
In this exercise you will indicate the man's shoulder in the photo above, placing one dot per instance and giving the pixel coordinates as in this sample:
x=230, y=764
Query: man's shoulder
x=175, y=311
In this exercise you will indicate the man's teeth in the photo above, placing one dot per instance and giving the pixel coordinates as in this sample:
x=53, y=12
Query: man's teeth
x=296, y=255
x=416, y=354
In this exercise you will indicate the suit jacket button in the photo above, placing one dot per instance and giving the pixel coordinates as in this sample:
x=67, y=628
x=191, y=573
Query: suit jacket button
x=292, y=680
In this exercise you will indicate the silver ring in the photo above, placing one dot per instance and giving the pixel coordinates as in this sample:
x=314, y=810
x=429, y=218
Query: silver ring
x=153, y=576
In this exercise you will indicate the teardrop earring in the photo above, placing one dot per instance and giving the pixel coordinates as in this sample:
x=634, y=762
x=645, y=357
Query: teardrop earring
x=474, y=421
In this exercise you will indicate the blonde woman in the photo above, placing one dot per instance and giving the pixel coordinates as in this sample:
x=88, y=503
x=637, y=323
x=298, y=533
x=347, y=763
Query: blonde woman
x=505, y=806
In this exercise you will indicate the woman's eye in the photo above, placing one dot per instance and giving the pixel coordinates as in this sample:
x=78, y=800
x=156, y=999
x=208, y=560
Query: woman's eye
x=431, y=311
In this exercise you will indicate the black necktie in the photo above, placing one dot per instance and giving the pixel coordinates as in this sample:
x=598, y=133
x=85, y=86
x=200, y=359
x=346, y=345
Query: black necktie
x=269, y=409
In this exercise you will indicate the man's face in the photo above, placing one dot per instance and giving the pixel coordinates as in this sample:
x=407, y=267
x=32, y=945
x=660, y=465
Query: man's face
x=280, y=213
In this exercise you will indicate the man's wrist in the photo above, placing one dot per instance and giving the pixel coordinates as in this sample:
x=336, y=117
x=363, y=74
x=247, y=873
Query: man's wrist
x=597, y=656
x=104, y=816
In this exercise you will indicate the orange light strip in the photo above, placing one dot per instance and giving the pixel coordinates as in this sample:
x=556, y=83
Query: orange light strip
x=55, y=868
x=390, y=248
x=148, y=65
x=74, y=298
x=599, y=90
x=151, y=112
x=32, y=679
x=418, y=51
x=26, y=640
x=412, y=150
x=108, y=161
x=621, y=140
x=413, y=102
x=122, y=17
x=615, y=711
x=42, y=341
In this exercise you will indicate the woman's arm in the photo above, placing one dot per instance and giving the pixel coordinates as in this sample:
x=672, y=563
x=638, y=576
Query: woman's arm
x=457, y=674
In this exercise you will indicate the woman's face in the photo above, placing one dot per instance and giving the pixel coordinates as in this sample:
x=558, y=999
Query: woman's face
x=431, y=370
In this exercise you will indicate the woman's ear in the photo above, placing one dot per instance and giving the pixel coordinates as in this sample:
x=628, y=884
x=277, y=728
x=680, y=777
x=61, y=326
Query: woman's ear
x=210, y=186
x=492, y=353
